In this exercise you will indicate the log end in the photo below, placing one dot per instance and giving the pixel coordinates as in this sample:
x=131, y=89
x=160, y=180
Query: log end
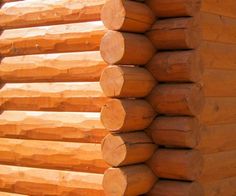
x=113, y=14
x=112, y=47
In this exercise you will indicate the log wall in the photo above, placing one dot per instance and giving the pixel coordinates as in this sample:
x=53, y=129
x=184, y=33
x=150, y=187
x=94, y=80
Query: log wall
x=117, y=97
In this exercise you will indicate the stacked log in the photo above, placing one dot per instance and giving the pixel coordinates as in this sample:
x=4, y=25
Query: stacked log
x=51, y=98
x=126, y=49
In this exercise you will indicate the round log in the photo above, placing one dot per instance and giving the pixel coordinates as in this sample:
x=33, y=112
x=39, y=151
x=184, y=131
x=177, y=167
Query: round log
x=180, y=66
x=126, y=48
x=127, y=148
x=120, y=81
x=176, y=33
x=177, y=99
x=128, y=181
x=127, y=115
x=177, y=164
x=174, y=8
x=183, y=132
x=176, y=188
x=129, y=16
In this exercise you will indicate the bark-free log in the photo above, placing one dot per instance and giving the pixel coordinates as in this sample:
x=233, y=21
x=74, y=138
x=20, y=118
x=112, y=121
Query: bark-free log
x=127, y=148
x=122, y=81
x=57, y=126
x=174, y=8
x=47, y=12
x=175, y=131
x=176, y=188
x=60, y=67
x=126, y=48
x=126, y=115
x=128, y=181
x=56, y=155
x=129, y=16
x=49, y=182
x=79, y=97
x=177, y=33
x=51, y=39
x=177, y=99
x=182, y=66
x=177, y=164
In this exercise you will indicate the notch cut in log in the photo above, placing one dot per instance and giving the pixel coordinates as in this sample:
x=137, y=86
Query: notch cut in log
x=126, y=115
x=176, y=188
x=177, y=99
x=124, y=81
x=177, y=164
x=48, y=12
x=174, y=8
x=128, y=181
x=53, y=126
x=58, y=67
x=127, y=148
x=126, y=48
x=178, y=66
x=174, y=34
x=129, y=16
x=181, y=132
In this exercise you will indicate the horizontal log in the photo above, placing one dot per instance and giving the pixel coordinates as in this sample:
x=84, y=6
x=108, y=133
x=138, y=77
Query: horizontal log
x=177, y=33
x=49, y=182
x=10, y=194
x=178, y=66
x=60, y=67
x=42, y=12
x=51, y=39
x=221, y=187
x=176, y=188
x=129, y=180
x=126, y=48
x=218, y=110
x=177, y=164
x=127, y=148
x=177, y=99
x=174, y=8
x=80, y=97
x=217, y=138
x=221, y=8
x=121, y=81
x=218, y=166
x=54, y=155
x=126, y=115
x=182, y=132
x=133, y=16
x=56, y=126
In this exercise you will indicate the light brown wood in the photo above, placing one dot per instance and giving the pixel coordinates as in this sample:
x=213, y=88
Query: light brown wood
x=124, y=81
x=177, y=66
x=79, y=97
x=47, y=12
x=129, y=16
x=128, y=181
x=177, y=164
x=126, y=48
x=174, y=8
x=176, y=188
x=127, y=148
x=126, y=115
x=54, y=126
x=221, y=187
x=10, y=194
x=58, y=67
x=55, y=155
x=51, y=39
x=50, y=182
x=177, y=33
x=175, y=131
x=177, y=99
